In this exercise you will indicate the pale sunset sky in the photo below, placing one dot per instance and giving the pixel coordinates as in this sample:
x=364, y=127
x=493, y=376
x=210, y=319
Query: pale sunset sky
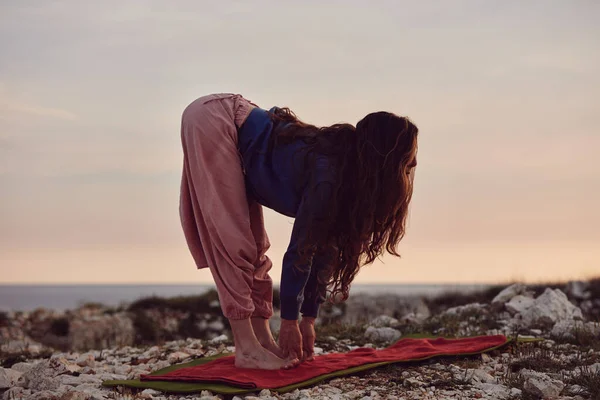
x=506, y=95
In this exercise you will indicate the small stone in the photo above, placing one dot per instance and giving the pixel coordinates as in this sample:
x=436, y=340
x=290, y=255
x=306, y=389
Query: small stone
x=485, y=358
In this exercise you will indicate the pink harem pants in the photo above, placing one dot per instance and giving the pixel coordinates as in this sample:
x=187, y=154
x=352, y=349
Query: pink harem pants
x=224, y=229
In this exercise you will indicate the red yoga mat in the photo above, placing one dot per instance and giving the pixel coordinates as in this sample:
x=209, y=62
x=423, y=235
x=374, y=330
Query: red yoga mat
x=223, y=370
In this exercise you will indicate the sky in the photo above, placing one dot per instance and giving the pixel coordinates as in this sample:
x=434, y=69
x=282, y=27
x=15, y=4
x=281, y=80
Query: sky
x=505, y=95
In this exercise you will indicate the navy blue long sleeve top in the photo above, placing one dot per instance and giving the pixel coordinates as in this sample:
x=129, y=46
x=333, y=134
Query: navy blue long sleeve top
x=279, y=179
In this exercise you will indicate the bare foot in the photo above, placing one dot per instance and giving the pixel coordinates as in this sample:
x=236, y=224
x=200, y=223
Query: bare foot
x=273, y=347
x=261, y=329
x=261, y=358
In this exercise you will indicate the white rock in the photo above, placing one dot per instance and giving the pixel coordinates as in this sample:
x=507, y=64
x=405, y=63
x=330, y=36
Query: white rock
x=152, y=352
x=265, y=394
x=22, y=367
x=355, y=394
x=78, y=380
x=578, y=290
x=122, y=369
x=86, y=360
x=177, y=356
x=414, y=318
x=549, y=308
x=383, y=321
x=413, y=382
x=519, y=304
x=16, y=392
x=73, y=395
x=567, y=328
x=509, y=292
x=458, y=310
x=540, y=384
x=214, y=304
x=92, y=391
x=151, y=392
x=8, y=377
x=41, y=376
x=515, y=392
x=385, y=334
x=479, y=375
x=275, y=323
x=219, y=339
x=216, y=326
x=593, y=368
x=494, y=390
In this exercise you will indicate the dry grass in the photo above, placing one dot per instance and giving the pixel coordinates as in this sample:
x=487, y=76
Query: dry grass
x=581, y=336
x=589, y=380
x=440, y=303
x=355, y=333
x=538, y=359
x=516, y=380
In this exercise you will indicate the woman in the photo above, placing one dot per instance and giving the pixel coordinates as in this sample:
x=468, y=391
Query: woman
x=347, y=187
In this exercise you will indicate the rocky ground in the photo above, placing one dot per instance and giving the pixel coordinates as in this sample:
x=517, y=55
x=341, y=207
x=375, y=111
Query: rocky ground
x=66, y=356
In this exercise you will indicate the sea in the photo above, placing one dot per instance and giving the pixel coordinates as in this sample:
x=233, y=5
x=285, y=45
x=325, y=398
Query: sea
x=63, y=297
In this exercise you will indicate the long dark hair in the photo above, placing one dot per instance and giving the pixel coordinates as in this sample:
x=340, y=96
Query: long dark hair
x=374, y=164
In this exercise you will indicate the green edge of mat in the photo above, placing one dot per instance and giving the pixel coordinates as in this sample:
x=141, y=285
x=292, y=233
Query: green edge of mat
x=187, y=387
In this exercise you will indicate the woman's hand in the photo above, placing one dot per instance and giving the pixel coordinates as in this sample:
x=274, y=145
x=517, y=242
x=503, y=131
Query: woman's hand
x=307, y=329
x=290, y=339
